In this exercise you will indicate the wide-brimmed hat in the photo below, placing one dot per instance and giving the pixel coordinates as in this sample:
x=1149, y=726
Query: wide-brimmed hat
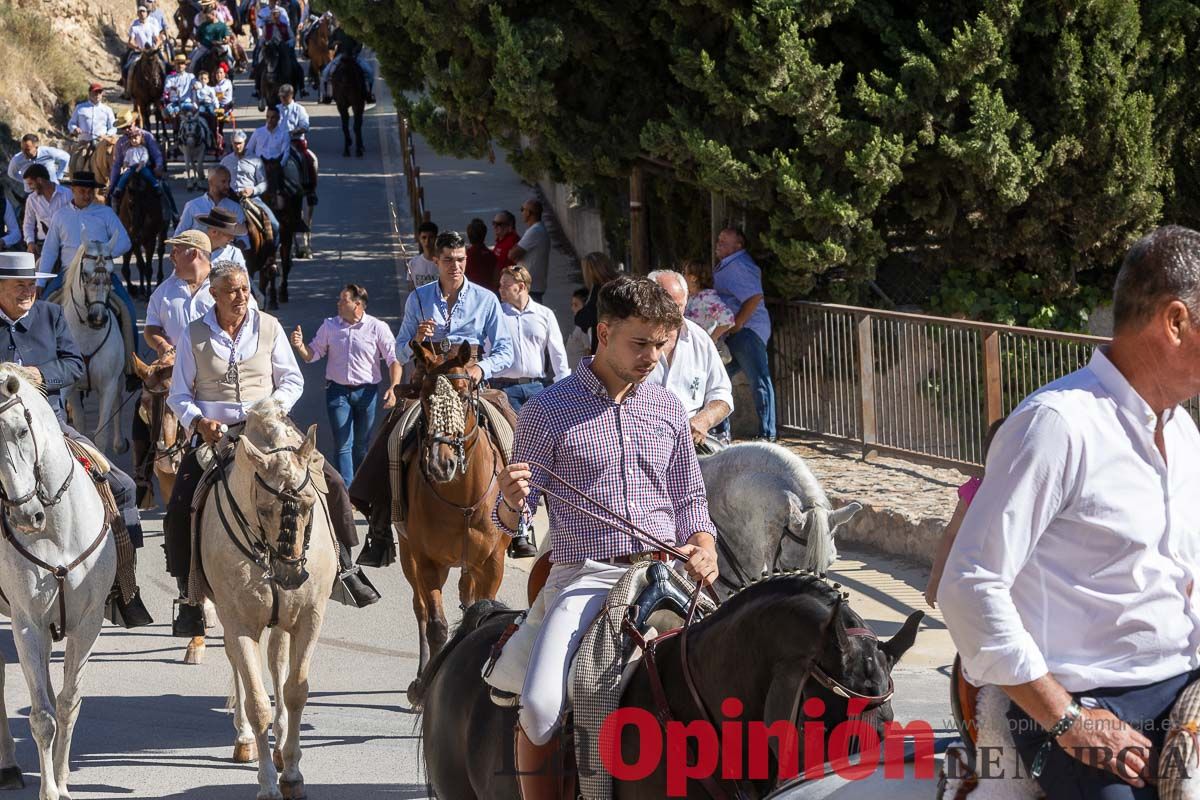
x=20, y=266
x=125, y=119
x=85, y=180
x=180, y=59
x=222, y=220
x=192, y=238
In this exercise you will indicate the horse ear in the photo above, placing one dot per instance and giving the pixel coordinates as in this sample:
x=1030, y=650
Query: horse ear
x=141, y=368
x=251, y=455
x=309, y=448
x=843, y=515
x=839, y=629
x=895, y=647
x=422, y=352
x=12, y=385
x=464, y=353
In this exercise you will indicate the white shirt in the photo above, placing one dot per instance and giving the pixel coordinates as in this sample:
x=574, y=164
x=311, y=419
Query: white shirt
x=173, y=307
x=224, y=93
x=266, y=143
x=39, y=211
x=293, y=116
x=534, y=331
x=285, y=373
x=200, y=206
x=92, y=120
x=246, y=173
x=229, y=252
x=422, y=270
x=143, y=34
x=136, y=157
x=695, y=372
x=54, y=159
x=536, y=244
x=70, y=224
x=1076, y=554
x=178, y=85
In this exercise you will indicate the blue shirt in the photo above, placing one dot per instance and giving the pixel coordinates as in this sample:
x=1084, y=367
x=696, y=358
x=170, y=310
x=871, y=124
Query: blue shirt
x=736, y=279
x=41, y=339
x=477, y=318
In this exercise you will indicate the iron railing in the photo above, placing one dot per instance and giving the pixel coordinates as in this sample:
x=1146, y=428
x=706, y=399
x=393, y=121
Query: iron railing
x=412, y=175
x=911, y=385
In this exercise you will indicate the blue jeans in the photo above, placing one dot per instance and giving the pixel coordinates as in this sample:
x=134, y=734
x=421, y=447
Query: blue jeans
x=750, y=354
x=351, y=416
x=520, y=393
x=124, y=177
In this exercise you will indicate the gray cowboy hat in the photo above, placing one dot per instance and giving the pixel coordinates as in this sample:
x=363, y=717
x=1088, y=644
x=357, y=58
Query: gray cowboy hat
x=20, y=266
x=222, y=220
x=84, y=179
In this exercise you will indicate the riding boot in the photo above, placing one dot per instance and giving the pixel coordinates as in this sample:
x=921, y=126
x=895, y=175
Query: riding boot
x=379, y=551
x=133, y=614
x=539, y=767
x=352, y=588
x=189, y=622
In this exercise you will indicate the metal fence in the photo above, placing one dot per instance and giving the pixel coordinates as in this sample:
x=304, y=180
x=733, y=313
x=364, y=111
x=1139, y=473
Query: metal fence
x=412, y=174
x=908, y=384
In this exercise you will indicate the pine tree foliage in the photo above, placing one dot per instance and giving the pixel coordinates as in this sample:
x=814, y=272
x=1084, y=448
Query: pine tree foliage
x=1015, y=147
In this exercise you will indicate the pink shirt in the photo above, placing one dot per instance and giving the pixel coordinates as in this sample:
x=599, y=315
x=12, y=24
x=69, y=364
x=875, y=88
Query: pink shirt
x=354, y=350
x=967, y=491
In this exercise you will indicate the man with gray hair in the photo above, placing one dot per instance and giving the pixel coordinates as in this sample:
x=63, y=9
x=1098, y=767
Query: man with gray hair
x=691, y=367
x=1072, y=582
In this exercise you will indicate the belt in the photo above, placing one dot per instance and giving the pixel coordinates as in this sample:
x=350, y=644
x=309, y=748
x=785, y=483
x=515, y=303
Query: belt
x=500, y=383
x=636, y=558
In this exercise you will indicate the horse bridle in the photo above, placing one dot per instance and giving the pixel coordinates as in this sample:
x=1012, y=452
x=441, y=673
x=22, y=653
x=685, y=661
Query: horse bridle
x=47, y=500
x=158, y=403
x=81, y=308
x=458, y=443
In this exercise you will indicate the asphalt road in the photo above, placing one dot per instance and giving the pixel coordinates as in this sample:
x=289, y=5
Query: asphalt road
x=152, y=727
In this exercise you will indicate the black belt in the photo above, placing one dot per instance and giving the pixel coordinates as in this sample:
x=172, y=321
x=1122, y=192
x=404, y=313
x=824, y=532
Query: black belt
x=501, y=383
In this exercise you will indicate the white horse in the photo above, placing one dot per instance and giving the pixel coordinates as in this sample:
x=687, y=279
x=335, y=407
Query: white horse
x=194, y=142
x=53, y=513
x=87, y=299
x=268, y=505
x=770, y=512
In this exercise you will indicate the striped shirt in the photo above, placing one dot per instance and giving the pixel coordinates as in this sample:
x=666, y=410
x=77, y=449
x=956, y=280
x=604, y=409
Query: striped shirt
x=635, y=457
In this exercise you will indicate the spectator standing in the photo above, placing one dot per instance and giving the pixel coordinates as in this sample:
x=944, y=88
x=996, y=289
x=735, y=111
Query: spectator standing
x=356, y=343
x=422, y=268
x=598, y=269
x=704, y=305
x=579, y=346
x=504, y=224
x=481, y=262
x=32, y=152
x=535, y=334
x=738, y=281
x=533, y=249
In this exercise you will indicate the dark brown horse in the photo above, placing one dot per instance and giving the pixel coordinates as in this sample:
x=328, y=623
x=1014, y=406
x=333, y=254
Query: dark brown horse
x=350, y=93
x=185, y=23
x=146, y=79
x=260, y=258
x=451, y=488
x=773, y=647
x=316, y=47
x=141, y=213
x=289, y=183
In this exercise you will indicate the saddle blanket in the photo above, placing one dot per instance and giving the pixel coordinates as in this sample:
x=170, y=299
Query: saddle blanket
x=126, y=555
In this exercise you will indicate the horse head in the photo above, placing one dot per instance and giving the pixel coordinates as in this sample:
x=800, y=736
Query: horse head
x=814, y=526
x=92, y=275
x=448, y=407
x=154, y=411
x=275, y=472
x=25, y=421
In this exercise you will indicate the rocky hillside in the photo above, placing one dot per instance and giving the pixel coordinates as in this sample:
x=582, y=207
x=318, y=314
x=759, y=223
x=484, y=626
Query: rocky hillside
x=52, y=50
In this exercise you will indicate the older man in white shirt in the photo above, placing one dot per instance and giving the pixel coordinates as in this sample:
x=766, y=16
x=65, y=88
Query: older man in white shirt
x=92, y=119
x=1072, y=582
x=692, y=369
x=217, y=196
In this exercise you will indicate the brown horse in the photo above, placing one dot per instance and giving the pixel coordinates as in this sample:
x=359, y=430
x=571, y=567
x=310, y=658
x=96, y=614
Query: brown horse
x=164, y=452
x=451, y=490
x=95, y=156
x=260, y=258
x=185, y=23
x=141, y=213
x=350, y=93
x=316, y=47
x=146, y=80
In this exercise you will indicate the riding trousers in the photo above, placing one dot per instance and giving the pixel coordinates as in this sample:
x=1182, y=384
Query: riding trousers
x=536, y=660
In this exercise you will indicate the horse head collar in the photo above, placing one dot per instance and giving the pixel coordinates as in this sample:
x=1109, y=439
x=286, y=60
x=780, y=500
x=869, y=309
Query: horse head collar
x=21, y=456
x=95, y=284
x=448, y=397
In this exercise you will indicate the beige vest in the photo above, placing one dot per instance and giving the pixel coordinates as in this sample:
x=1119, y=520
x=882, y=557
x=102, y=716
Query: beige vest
x=254, y=374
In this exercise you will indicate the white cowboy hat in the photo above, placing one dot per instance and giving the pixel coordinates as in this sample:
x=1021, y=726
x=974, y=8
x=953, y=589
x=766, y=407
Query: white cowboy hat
x=20, y=266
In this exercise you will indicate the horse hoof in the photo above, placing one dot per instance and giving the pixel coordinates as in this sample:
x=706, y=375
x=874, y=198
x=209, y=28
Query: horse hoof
x=11, y=778
x=195, y=651
x=416, y=693
x=245, y=752
x=293, y=790
x=360, y=152
x=277, y=758
x=346, y=153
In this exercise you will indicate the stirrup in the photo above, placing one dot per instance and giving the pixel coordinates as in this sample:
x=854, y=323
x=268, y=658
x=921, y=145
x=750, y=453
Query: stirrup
x=504, y=699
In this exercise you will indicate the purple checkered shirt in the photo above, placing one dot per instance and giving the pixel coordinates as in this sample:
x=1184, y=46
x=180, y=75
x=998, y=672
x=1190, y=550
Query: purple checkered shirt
x=635, y=457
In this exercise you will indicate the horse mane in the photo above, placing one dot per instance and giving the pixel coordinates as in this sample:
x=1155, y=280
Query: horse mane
x=25, y=374
x=267, y=422
x=776, y=584
x=776, y=460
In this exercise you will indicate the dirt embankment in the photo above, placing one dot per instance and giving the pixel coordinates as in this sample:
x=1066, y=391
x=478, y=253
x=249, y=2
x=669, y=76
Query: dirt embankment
x=52, y=50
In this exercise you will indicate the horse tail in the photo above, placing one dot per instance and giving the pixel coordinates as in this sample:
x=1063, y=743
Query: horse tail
x=473, y=618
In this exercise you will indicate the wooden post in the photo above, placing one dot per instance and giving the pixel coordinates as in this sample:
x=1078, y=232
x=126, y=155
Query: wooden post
x=639, y=249
x=993, y=396
x=866, y=383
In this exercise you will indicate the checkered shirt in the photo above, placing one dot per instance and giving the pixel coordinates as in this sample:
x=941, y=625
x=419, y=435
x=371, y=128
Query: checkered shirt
x=635, y=457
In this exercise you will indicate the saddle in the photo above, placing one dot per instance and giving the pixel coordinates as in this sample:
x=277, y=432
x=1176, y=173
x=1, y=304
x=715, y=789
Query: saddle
x=257, y=218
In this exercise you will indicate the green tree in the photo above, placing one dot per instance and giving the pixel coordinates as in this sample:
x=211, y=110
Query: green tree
x=1015, y=147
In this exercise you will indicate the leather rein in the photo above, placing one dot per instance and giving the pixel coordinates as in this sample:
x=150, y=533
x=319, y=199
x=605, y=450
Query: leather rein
x=60, y=571
x=663, y=711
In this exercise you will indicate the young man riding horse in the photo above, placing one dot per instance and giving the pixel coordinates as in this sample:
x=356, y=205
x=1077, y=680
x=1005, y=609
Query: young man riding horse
x=627, y=445
x=229, y=359
x=1072, y=583
x=37, y=337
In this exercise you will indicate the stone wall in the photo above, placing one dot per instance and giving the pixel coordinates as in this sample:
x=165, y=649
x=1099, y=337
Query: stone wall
x=581, y=225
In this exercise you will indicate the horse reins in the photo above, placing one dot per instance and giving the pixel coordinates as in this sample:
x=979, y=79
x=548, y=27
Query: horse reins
x=60, y=572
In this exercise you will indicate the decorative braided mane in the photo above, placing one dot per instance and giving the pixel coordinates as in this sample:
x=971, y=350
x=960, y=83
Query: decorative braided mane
x=447, y=409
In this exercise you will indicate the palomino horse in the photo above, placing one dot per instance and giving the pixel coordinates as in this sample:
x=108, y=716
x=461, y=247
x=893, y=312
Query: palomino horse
x=87, y=300
x=770, y=511
x=141, y=213
x=166, y=444
x=350, y=93
x=316, y=47
x=194, y=139
x=778, y=643
x=146, y=80
x=268, y=552
x=451, y=491
x=52, y=518
x=95, y=156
